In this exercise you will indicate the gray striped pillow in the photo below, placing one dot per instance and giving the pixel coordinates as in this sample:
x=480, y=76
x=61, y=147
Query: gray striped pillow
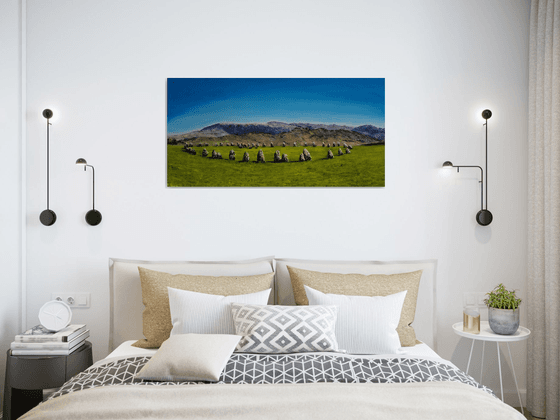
x=200, y=313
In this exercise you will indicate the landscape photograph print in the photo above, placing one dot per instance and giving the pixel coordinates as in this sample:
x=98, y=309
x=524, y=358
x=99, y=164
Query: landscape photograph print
x=292, y=132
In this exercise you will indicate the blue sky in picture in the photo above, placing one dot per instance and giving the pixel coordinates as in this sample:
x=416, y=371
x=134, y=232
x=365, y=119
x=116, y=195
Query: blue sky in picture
x=193, y=104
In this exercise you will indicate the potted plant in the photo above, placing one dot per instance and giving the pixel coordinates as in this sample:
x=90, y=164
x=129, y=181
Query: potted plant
x=503, y=310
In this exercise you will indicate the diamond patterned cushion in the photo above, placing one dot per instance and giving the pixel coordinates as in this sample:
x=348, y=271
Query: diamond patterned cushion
x=285, y=329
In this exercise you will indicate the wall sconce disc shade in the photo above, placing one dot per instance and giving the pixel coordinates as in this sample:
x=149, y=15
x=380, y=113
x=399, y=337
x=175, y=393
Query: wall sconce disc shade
x=47, y=217
x=81, y=161
x=447, y=164
x=484, y=217
x=93, y=217
x=486, y=114
x=47, y=113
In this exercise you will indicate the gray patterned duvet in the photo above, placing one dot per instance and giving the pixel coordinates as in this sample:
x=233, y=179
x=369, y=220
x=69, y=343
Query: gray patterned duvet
x=286, y=369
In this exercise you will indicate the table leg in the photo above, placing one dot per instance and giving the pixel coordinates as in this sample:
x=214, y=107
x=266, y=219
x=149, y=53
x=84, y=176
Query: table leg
x=470, y=354
x=482, y=363
x=500, y=369
x=515, y=379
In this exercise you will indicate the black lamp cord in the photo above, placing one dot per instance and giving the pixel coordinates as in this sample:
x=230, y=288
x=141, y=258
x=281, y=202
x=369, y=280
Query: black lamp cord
x=486, y=183
x=48, y=147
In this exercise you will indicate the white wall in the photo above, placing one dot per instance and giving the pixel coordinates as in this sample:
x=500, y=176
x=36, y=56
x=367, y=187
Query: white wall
x=10, y=174
x=102, y=67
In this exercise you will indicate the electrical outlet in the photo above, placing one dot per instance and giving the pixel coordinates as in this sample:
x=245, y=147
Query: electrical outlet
x=74, y=300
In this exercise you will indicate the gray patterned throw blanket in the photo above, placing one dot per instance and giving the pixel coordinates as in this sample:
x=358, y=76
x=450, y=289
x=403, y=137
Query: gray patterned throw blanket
x=281, y=387
x=245, y=368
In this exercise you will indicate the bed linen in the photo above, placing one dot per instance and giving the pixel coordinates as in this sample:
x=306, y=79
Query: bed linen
x=418, y=401
x=303, y=385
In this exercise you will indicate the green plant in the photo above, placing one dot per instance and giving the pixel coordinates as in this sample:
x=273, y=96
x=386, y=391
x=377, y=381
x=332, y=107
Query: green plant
x=501, y=298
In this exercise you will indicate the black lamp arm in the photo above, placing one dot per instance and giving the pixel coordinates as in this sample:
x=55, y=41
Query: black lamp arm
x=481, y=181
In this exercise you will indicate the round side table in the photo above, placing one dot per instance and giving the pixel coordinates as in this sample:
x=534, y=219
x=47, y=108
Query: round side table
x=486, y=334
x=27, y=376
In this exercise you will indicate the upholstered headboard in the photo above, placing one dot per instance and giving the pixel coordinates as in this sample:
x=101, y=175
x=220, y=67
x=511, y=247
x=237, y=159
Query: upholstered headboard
x=425, y=320
x=126, y=293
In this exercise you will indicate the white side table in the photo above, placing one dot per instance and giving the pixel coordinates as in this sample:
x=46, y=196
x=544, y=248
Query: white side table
x=486, y=334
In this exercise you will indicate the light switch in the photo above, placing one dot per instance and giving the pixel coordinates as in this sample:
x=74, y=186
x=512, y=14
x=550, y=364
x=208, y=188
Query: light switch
x=81, y=300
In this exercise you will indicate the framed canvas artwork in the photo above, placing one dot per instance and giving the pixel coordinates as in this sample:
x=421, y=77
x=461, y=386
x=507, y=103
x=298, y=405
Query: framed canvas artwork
x=275, y=132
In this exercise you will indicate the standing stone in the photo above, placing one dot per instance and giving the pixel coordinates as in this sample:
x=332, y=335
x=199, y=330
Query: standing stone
x=246, y=157
x=218, y=155
x=260, y=156
x=350, y=147
x=330, y=155
x=295, y=144
x=314, y=145
x=214, y=154
x=340, y=152
x=232, y=154
x=285, y=158
x=338, y=144
x=302, y=158
x=305, y=144
x=306, y=154
x=277, y=156
x=324, y=144
x=283, y=144
x=271, y=144
x=347, y=151
x=204, y=153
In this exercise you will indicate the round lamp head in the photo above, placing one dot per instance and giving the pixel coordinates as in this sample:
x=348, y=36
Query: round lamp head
x=47, y=113
x=81, y=161
x=47, y=217
x=447, y=164
x=484, y=217
x=486, y=114
x=93, y=217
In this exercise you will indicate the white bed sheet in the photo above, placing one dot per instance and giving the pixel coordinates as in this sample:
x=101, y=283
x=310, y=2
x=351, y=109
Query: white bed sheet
x=127, y=350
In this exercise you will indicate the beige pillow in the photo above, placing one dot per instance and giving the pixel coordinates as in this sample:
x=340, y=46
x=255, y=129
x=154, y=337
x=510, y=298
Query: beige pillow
x=364, y=285
x=157, y=316
x=190, y=357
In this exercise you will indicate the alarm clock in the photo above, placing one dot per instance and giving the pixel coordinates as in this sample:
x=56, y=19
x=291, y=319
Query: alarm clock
x=55, y=315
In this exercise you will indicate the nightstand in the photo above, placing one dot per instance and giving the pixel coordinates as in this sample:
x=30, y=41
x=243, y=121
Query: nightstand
x=27, y=376
x=486, y=334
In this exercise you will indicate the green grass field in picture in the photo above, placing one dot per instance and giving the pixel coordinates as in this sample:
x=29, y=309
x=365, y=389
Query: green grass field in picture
x=363, y=167
x=299, y=117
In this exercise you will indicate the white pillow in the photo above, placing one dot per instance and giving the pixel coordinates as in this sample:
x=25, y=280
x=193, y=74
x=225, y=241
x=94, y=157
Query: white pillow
x=365, y=324
x=201, y=313
x=190, y=357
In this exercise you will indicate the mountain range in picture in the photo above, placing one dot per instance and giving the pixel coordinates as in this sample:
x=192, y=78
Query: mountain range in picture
x=365, y=133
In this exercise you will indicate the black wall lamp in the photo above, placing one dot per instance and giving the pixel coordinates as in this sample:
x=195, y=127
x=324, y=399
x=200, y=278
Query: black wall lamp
x=47, y=217
x=93, y=217
x=483, y=217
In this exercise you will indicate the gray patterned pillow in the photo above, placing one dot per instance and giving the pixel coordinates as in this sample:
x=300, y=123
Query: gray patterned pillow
x=285, y=329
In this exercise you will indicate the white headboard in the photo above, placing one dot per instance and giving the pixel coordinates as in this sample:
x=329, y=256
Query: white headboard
x=126, y=293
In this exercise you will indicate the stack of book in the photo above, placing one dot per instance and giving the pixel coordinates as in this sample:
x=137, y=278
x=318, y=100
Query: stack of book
x=38, y=341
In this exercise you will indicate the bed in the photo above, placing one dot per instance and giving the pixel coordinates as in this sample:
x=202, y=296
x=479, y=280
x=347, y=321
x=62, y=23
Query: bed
x=411, y=381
